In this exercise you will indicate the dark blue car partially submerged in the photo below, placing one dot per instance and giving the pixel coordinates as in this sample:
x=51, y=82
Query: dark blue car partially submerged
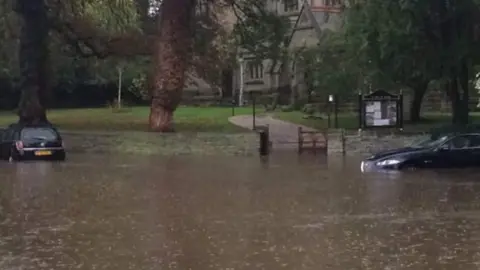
x=448, y=151
x=31, y=142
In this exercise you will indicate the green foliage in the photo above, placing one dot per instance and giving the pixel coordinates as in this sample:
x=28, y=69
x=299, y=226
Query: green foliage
x=330, y=66
x=114, y=16
x=139, y=87
x=66, y=66
x=390, y=42
x=261, y=33
x=9, y=42
x=406, y=41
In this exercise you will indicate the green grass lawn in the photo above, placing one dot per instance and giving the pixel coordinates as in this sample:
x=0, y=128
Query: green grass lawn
x=350, y=121
x=187, y=119
x=197, y=119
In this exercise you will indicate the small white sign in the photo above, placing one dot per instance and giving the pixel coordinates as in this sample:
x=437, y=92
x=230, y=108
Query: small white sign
x=381, y=122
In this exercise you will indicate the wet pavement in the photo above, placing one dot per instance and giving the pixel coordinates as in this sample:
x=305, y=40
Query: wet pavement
x=114, y=212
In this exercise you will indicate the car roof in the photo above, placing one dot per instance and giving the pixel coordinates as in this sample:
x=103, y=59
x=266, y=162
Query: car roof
x=455, y=134
x=18, y=126
x=466, y=133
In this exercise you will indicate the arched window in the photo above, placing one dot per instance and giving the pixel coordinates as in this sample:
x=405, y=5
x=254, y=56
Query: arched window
x=255, y=70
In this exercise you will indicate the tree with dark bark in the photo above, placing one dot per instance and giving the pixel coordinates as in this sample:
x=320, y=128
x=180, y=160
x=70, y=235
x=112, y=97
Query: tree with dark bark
x=455, y=25
x=124, y=28
x=171, y=43
x=33, y=60
x=172, y=54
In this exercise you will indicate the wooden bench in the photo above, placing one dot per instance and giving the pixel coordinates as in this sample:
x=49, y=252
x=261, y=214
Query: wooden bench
x=311, y=140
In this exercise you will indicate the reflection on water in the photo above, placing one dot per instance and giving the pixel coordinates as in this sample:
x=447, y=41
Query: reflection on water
x=288, y=212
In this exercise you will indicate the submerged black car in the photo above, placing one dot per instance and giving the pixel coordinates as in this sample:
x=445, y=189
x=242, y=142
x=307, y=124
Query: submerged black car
x=449, y=151
x=20, y=142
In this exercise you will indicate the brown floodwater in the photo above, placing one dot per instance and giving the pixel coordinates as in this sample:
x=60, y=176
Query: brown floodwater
x=230, y=213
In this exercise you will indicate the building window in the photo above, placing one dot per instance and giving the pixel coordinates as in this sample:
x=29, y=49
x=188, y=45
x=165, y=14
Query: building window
x=325, y=3
x=202, y=8
x=290, y=5
x=332, y=3
x=255, y=71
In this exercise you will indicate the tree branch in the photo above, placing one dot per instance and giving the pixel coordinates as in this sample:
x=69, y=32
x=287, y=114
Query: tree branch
x=90, y=41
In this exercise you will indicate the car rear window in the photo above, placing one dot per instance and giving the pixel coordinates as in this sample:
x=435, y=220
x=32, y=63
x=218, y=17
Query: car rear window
x=39, y=134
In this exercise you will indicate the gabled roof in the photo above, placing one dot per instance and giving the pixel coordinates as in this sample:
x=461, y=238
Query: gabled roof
x=319, y=19
x=195, y=83
x=305, y=14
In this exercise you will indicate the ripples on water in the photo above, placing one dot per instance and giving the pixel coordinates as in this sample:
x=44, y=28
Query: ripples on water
x=114, y=212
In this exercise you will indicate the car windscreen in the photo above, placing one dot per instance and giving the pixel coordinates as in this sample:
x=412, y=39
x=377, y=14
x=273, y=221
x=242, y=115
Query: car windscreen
x=427, y=142
x=46, y=134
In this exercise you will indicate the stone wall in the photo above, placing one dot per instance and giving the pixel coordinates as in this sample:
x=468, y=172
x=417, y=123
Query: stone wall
x=142, y=143
x=363, y=142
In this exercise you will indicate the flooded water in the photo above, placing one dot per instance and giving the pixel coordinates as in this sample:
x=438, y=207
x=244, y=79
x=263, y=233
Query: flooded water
x=113, y=212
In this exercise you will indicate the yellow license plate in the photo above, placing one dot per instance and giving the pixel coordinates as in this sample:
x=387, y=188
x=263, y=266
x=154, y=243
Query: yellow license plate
x=43, y=153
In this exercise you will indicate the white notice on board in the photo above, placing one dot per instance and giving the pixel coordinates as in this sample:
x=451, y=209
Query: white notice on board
x=381, y=122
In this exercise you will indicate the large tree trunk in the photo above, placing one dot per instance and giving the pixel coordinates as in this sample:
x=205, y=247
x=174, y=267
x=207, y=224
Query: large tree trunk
x=464, y=80
x=33, y=60
x=458, y=91
x=460, y=109
x=419, y=91
x=171, y=60
x=227, y=83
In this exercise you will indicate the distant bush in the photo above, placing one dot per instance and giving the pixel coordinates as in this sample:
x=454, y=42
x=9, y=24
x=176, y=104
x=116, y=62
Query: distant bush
x=309, y=109
x=124, y=106
x=287, y=108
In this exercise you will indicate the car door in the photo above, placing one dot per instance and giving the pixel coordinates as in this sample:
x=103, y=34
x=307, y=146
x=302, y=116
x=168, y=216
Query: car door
x=456, y=153
x=475, y=150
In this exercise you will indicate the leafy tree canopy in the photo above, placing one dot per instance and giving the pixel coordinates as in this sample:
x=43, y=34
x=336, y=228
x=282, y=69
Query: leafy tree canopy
x=261, y=33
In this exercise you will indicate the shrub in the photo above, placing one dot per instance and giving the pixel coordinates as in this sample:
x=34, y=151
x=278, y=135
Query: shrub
x=124, y=106
x=287, y=108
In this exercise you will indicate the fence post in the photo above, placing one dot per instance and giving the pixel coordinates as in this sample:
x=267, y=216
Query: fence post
x=360, y=111
x=300, y=140
x=400, y=112
x=342, y=138
x=314, y=142
x=264, y=148
x=254, y=125
x=335, y=109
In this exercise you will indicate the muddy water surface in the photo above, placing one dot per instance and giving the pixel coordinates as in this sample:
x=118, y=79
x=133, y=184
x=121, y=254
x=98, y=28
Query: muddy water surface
x=114, y=212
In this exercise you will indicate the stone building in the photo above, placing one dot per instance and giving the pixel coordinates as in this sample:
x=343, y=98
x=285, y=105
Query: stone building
x=309, y=18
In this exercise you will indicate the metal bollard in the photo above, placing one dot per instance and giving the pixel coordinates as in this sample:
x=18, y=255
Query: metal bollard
x=264, y=149
x=234, y=103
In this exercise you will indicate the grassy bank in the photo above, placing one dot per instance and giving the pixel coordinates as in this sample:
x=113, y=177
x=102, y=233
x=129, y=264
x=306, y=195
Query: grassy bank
x=187, y=119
